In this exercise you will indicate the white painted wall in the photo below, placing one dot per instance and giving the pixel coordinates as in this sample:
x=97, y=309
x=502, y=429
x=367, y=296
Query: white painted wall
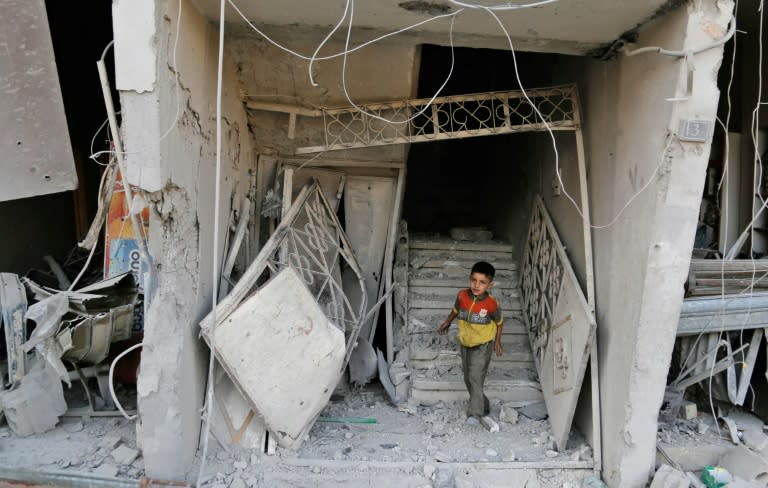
x=178, y=173
x=642, y=261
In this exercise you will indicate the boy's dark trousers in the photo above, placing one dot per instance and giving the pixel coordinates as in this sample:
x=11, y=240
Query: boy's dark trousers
x=474, y=365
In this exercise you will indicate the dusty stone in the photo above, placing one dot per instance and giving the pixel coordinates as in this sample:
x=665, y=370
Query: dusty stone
x=443, y=457
x=490, y=424
x=444, y=478
x=511, y=455
x=742, y=462
x=105, y=471
x=237, y=483
x=73, y=427
x=255, y=459
x=551, y=454
x=222, y=456
x=124, y=455
x=508, y=414
x=429, y=470
x=240, y=464
x=338, y=456
x=491, y=452
x=109, y=442
x=668, y=477
x=755, y=440
x=348, y=435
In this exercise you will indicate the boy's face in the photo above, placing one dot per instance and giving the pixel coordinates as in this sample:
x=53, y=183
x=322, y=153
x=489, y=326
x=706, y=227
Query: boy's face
x=479, y=283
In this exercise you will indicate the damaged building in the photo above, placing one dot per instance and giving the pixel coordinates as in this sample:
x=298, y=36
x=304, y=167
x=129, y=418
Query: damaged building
x=284, y=201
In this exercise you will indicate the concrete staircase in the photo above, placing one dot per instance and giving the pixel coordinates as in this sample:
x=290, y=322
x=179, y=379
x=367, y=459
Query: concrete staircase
x=438, y=268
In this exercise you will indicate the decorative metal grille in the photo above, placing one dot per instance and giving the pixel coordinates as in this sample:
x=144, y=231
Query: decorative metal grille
x=316, y=248
x=543, y=271
x=452, y=117
x=310, y=240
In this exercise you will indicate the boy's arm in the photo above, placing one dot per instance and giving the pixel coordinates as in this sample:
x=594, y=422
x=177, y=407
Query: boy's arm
x=497, y=343
x=499, y=319
x=444, y=326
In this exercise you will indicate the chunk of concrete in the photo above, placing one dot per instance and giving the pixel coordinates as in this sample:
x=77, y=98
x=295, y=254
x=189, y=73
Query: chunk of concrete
x=534, y=411
x=36, y=405
x=444, y=478
x=124, y=455
x=744, y=463
x=668, y=477
x=755, y=439
x=508, y=414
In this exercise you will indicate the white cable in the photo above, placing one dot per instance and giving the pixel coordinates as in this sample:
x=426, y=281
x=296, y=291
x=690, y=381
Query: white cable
x=687, y=52
x=336, y=55
x=322, y=43
x=172, y=125
x=378, y=117
x=503, y=6
x=209, y=402
x=111, y=384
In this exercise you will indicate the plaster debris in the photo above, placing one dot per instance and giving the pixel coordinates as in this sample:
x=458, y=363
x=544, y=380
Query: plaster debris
x=106, y=471
x=669, y=477
x=38, y=402
x=124, y=455
x=508, y=414
x=110, y=442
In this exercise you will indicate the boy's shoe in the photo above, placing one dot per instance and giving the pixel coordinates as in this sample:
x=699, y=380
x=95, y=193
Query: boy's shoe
x=489, y=423
x=472, y=420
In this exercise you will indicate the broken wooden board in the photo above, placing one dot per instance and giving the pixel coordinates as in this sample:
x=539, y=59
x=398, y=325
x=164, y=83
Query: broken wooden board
x=560, y=323
x=284, y=355
x=13, y=308
x=234, y=422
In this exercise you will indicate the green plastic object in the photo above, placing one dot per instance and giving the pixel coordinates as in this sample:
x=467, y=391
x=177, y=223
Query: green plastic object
x=347, y=420
x=715, y=477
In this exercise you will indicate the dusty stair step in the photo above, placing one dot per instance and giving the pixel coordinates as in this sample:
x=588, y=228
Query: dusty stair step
x=452, y=273
x=427, y=314
x=497, y=370
x=445, y=350
x=457, y=283
x=441, y=242
x=501, y=294
x=508, y=304
x=452, y=390
x=474, y=256
x=430, y=324
x=461, y=264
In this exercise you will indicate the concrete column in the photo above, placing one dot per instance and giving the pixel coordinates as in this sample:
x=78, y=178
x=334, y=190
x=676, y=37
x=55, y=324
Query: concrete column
x=633, y=108
x=169, y=132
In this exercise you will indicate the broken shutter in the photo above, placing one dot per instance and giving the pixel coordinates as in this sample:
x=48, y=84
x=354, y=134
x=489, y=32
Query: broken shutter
x=286, y=344
x=560, y=323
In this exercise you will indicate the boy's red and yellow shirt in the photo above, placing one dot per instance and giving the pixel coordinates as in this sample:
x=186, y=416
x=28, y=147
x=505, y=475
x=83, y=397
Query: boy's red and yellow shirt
x=477, y=316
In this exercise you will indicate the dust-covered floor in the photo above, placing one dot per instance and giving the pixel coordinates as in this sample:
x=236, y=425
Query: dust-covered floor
x=408, y=446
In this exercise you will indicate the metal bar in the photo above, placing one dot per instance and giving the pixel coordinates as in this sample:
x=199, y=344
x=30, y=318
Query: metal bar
x=555, y=126
x=749, y=366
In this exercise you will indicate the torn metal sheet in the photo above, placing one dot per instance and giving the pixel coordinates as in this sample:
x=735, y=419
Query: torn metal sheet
x=100, y=297
x=47, y=315
x=13, y=308
x=559, y=321
x=88, y=340
x=284, y=354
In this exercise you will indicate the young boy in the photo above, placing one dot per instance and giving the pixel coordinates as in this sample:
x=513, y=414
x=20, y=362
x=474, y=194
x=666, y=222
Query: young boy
x=480, y=326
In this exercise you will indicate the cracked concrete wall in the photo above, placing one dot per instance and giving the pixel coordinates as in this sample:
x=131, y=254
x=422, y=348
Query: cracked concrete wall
x=642, y=261
x=381, y=72
x=170, y=138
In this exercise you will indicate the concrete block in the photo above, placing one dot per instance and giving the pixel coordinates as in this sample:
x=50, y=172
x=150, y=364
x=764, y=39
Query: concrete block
x=508, y=414
x=688, y=410
x=755, y=440
x=489, y=424
x=742, y=462
x=668, y=477
x=110, y=442
x=124, y=455
x=35, y=406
